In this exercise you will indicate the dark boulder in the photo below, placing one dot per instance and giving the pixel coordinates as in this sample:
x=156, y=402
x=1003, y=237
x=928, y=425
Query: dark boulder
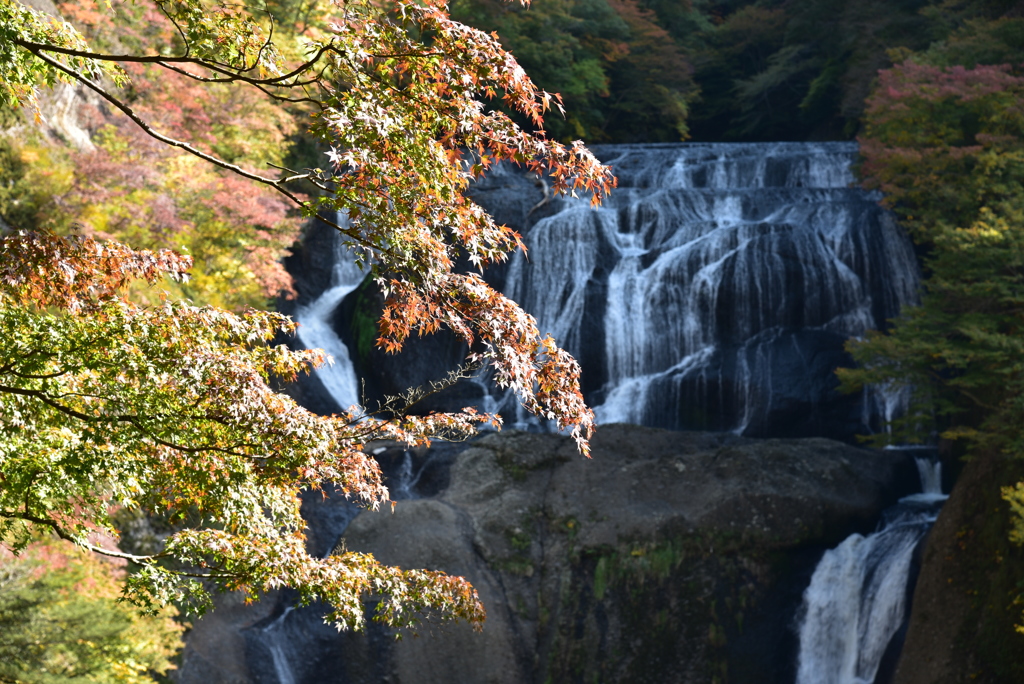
x=667, y=557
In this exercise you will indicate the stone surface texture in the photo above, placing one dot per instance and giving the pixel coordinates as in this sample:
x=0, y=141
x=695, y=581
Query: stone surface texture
x=666, y=557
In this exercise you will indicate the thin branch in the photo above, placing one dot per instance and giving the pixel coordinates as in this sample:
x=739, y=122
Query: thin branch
x=38, y=48
x=184, y=39
x=201, y=449
x=253, y=82
x=407, y=54
x=52, y=524
x=266, y=43
x=33, y=376
x=227, y=70
x=127, y=111
x=46, y=399
x=238, y=78
x=296, y=175
x=131, y=420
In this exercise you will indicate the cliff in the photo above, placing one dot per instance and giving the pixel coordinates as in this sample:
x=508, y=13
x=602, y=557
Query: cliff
x=667, y=557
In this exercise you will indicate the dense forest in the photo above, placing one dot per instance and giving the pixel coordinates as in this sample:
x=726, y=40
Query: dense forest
x=932, y=89
x=632, y=71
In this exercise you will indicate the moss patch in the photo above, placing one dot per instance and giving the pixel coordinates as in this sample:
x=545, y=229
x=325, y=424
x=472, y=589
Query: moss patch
x=626, y=613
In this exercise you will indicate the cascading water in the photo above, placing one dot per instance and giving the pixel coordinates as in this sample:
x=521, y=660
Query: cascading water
x=406, y=478
x=857, y=597
x=273, y=647
x=279, y=648
x=276, y=642
x=316, y=330
x=716, y=286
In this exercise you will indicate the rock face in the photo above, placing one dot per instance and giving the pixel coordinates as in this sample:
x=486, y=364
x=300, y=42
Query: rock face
x=967, y=599
x=667, y=557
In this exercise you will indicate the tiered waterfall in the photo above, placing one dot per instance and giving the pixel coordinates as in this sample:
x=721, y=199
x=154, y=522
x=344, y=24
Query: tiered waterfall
x=715, y=287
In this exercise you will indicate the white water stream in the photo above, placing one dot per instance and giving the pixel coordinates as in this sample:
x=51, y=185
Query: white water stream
x=316, y=330
x=275, y=641
x=715, y=273
x=856, y=600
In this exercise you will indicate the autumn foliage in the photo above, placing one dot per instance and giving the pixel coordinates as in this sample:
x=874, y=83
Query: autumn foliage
x=60, y=621
x=927, y=126
x=117, y=182
x=946, y=145
x=115, y=398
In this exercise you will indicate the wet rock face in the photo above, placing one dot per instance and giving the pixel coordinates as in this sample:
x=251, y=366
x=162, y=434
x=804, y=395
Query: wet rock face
x=667, y=557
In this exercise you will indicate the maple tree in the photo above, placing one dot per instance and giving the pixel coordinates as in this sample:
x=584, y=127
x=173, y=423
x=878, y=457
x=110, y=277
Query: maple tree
x=111, y=404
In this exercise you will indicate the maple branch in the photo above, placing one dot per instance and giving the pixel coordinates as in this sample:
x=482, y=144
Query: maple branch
x=33, y=376
x=197, y=450
x=60, y=532
x=46, y=399
x=407, y=54
x=141, y=560
x=256, y=83
x=227, y=70
x=177, y=27
x=202, y=575
x=38, y=48
x=127, y=111
x=296, y=176
x=132, y=420
x=416, y=395
x=267, y=43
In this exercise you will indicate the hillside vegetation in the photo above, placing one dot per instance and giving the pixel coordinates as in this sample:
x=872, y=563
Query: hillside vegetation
x=933, y=89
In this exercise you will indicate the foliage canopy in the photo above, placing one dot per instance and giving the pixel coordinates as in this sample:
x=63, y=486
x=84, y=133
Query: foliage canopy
x=60, y=622
x=961, y=349
x=945, y=142
x=161, y=406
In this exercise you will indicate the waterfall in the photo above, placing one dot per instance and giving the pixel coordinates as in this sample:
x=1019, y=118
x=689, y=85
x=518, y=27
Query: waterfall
x=857, y=597
x=930, y=473
x=279, y=647
x=715, y=287
x=273, y=638
x=405, y=479
x=316, y=330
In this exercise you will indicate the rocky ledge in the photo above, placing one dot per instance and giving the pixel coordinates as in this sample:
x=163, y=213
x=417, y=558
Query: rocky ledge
x=666, y=557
